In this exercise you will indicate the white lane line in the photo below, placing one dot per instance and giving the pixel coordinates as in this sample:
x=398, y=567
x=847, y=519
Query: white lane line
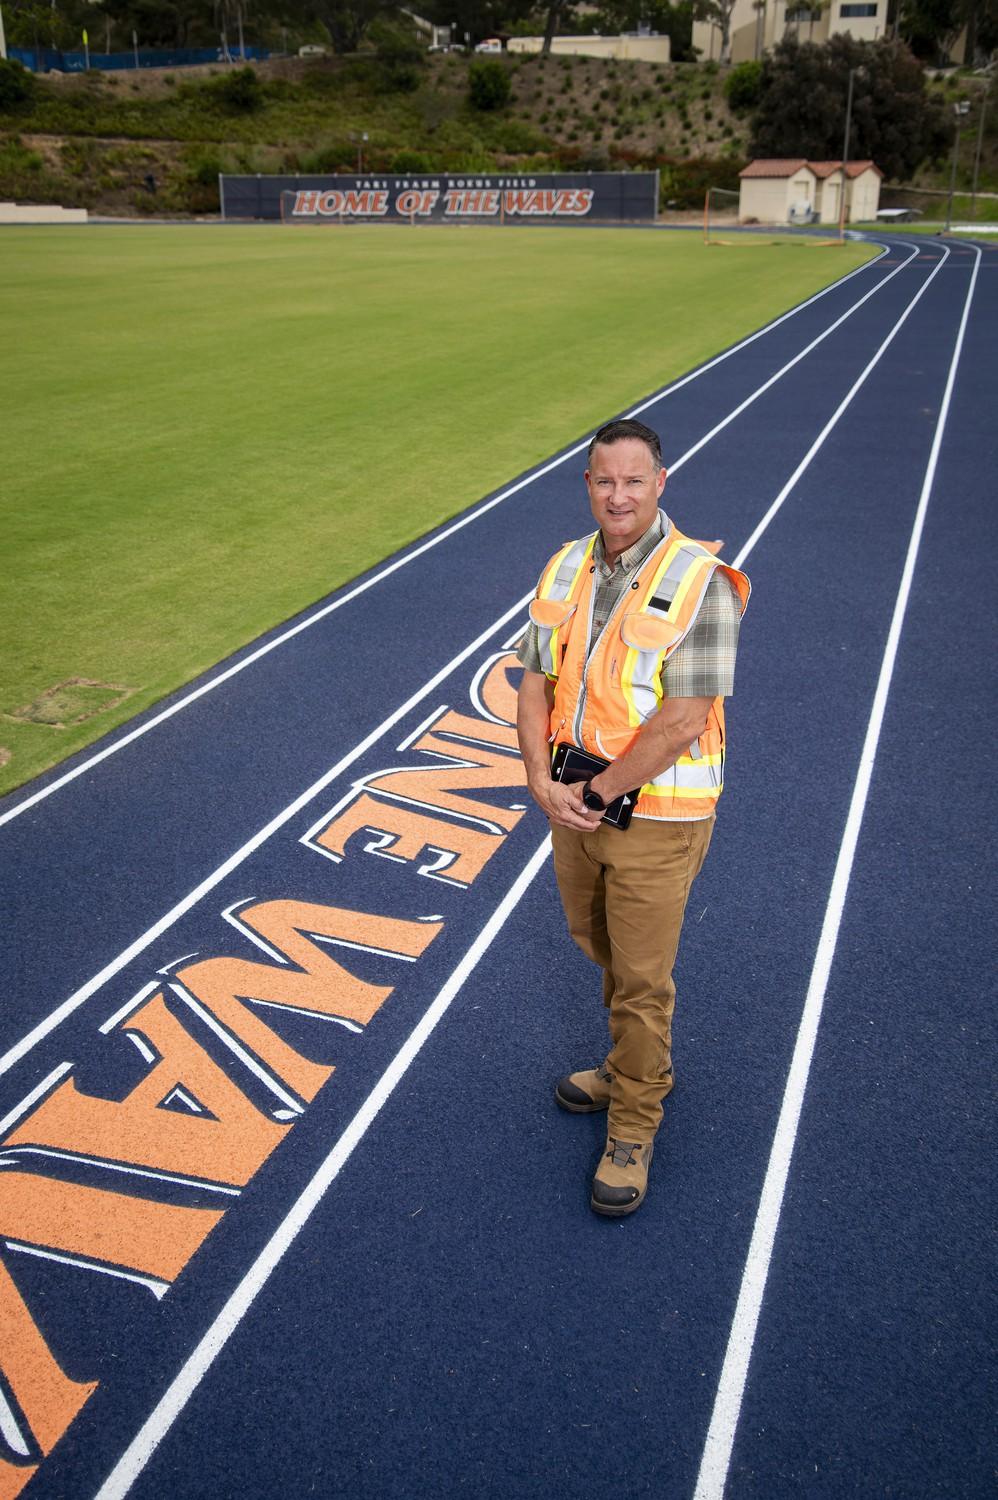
x=68, y=1006
x=393, y=567
x=727, y=1403
x=837, y=413
x=138, y=1453
x=762, y=389
x=142, y=1447
x=57, y=1016
x=22, y=1107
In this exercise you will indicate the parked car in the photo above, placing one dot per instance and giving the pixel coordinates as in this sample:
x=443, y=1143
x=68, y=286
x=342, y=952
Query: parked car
x=312, y=49
x=490, y=44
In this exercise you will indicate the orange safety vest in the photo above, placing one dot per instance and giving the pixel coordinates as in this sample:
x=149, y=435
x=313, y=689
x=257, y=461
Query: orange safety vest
x=601, y=703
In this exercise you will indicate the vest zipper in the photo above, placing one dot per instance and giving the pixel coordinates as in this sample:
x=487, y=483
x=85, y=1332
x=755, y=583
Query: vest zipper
x=580, y=707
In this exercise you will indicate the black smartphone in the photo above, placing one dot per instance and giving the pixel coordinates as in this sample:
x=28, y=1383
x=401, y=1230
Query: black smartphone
x=570, y=765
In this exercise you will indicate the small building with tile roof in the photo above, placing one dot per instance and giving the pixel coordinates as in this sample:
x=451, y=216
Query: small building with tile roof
x=792, y=190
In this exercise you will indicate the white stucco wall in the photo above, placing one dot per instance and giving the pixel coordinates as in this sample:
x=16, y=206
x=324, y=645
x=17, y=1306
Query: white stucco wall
x=864, y=196
x=754, y=32
x=656, y=49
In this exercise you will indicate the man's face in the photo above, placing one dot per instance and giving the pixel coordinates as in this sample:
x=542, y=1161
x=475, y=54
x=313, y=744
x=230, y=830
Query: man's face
x=624, y=486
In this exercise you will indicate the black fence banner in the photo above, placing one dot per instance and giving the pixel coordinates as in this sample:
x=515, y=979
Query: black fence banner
x=436, y=198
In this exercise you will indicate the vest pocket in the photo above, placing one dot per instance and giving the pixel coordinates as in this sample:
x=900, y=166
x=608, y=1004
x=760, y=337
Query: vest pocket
x=644, y=631
x=550, y=614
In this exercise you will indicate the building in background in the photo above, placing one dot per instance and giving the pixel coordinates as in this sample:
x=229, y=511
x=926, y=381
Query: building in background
x=798, y=191
x=631, y=46
x=757, y=27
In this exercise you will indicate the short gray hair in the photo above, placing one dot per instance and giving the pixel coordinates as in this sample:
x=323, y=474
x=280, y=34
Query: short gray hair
x=614, y=432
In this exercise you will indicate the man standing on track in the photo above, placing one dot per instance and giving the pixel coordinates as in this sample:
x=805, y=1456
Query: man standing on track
x=628, y=657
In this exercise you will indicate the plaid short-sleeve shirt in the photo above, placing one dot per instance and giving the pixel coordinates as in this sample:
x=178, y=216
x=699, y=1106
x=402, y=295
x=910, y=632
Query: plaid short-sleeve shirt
x=703, y=665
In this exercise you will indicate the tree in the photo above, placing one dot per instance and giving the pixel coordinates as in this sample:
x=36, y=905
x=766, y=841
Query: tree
x=717, y=13
x=555, y=9
x=476, y=18
x=931, y=28
x=801, y=112
x=616, y=16
x=347, y=21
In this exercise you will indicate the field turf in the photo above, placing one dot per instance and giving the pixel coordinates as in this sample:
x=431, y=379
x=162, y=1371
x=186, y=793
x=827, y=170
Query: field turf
x=208, y=428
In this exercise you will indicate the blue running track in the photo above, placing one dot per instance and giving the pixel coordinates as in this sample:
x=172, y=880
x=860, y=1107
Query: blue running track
x=286, y=1205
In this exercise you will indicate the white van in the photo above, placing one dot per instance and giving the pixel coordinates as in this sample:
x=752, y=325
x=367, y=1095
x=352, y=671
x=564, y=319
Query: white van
x=490, y=44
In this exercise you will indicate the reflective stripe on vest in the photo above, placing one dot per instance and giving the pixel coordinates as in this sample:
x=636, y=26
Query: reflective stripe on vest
x=552, y=608
x=601, y=702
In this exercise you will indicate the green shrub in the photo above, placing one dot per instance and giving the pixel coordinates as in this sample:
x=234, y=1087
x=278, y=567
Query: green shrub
x=743, y=86
x=685, y=183
x=488, y=84
x=240, y=91
x=204, y=169
x=517, y=137
x=17, y=86
x=404, y=162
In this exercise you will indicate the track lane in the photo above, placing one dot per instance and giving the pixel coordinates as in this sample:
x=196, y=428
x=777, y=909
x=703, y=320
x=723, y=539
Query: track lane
x=541, y=1168
x=483, y=1341
x=280, y=724
x=880, y=1300
x=273, y=719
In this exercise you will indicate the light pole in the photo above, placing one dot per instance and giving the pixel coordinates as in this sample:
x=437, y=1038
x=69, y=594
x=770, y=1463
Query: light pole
x=959, y=110
x=845, y=157
x=977, y=153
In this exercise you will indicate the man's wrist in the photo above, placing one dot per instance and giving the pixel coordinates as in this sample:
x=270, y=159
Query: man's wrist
x=592, y=797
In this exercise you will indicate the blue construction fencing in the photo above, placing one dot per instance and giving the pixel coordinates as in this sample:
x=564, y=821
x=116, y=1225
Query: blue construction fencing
x=49, y=59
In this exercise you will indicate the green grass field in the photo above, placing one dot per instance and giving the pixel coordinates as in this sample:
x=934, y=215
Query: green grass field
x=206, y=429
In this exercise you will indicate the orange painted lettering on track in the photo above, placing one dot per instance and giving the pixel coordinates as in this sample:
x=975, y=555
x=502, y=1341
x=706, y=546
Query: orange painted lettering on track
x=472, y=768
x=411, y=832
x=48, y=1399
x=320, y=985
x=155, y=1239
x=497, y=692
x=221, y=1136
x=228, y=1143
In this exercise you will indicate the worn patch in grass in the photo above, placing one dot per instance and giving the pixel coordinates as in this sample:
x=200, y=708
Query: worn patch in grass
x=71, y=702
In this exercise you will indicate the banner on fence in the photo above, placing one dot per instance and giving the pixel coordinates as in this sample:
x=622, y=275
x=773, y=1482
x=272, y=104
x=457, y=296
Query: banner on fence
x=53, y=59
x=500, y=198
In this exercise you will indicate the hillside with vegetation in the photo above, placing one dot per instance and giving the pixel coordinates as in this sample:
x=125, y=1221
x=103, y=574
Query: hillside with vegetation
x=94, y=139
x=151, y=142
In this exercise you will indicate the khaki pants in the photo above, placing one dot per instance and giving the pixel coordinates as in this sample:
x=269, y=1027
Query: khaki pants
x=624, y=895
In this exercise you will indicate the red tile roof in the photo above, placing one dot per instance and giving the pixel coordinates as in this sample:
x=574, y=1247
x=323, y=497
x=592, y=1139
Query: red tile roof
x=785, y=167
x=777, y=168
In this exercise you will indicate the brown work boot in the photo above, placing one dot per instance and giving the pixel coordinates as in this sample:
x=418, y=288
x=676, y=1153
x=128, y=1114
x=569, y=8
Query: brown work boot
x=585, y=1093
x=621, y=1178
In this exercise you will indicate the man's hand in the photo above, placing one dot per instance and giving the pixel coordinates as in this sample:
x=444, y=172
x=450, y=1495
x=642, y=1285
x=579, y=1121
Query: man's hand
x=563, y=804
